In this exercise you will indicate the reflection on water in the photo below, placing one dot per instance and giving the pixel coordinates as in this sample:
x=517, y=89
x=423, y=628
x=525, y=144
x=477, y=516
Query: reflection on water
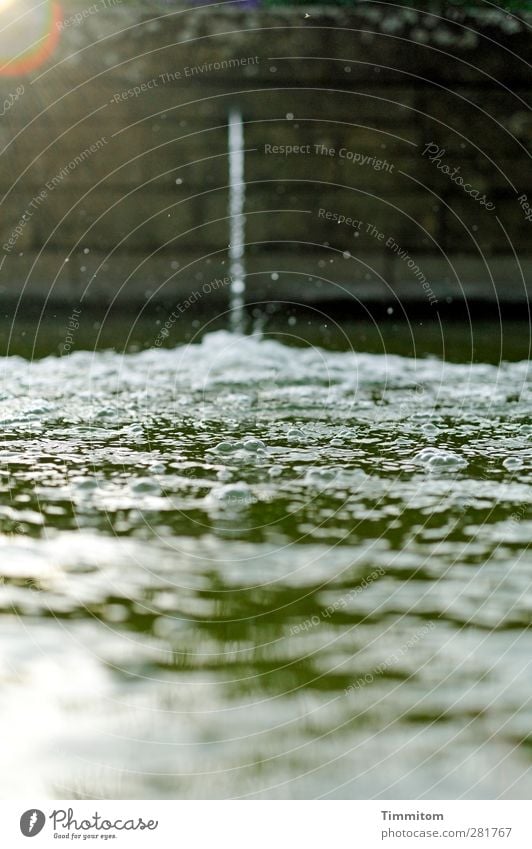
x=239, y=569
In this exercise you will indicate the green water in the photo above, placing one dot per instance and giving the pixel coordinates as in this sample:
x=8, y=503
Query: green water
x=282, y=567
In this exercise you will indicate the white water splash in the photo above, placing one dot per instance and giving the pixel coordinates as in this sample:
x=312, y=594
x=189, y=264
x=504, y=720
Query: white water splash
x=237, y=195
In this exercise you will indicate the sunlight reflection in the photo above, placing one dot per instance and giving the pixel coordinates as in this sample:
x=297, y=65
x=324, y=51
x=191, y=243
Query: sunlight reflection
x=29, y=32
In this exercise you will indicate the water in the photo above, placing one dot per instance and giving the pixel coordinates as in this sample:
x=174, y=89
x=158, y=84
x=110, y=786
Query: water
x=243, y=569
x=237, y=197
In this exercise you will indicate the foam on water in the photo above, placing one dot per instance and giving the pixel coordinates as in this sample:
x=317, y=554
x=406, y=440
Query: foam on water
x=233, y=533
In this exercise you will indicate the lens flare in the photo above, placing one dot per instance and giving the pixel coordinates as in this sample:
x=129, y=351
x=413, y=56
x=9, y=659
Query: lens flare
x=29, y=32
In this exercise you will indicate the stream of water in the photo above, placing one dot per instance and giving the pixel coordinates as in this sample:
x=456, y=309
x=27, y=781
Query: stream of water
x=237, y=198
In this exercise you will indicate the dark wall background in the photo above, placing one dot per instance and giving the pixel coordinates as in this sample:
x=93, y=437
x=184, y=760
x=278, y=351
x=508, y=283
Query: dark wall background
x=145, y=216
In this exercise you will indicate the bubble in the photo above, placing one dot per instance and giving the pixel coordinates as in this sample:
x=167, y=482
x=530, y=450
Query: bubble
x=424, y=455
x=254, y=445
x=437, y=459
x=87, y=484
x=145, y=485
x=512, y=463
x=233, y=495
x=226, y=447
x=321, y=477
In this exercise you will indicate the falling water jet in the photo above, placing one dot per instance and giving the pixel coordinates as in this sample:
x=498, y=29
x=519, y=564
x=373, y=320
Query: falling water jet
x=237, y=194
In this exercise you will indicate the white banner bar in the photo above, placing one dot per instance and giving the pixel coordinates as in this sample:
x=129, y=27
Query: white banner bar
x=268, y=824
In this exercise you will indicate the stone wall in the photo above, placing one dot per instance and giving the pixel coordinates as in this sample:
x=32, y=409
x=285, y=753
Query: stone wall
x=115, y=169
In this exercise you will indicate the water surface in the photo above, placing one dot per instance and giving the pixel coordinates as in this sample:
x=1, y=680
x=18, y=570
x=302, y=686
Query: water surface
x=238, y=568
